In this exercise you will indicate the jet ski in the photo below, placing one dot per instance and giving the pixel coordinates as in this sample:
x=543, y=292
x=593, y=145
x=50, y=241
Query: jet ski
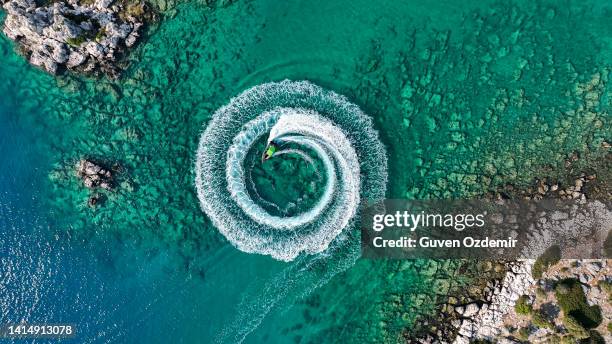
x=269, y=151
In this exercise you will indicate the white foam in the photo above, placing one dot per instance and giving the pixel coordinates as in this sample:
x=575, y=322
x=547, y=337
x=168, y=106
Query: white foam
x=338, y=132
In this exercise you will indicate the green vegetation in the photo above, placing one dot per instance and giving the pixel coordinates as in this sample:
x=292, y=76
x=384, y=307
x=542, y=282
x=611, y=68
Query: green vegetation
x=568, y=340
x=610, y=327
x=574, y=328
x=578, y=316
x=100, y=35
x=132, y=8
x=523, y=334
x=554, y=339
x=573, y=302
x=136, y=10
x=541, y=321
x=523, y=306
x=594, y=338
x=550, y=257
x=606, y=287
x=77, y=41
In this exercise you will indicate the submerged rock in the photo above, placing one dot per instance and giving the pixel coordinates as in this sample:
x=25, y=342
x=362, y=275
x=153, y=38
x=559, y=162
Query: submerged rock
x=95, y=200
x=85, y=36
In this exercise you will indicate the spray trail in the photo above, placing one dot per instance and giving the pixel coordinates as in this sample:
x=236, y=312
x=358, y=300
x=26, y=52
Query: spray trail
x=339, y=134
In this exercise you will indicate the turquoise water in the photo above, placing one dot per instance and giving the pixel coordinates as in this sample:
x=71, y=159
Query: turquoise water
x=466, y=97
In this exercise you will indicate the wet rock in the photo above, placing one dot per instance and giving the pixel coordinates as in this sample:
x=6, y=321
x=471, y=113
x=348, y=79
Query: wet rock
x=95, y=200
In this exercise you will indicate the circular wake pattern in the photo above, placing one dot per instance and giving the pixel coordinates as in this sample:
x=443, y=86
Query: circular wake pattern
x=299, y=119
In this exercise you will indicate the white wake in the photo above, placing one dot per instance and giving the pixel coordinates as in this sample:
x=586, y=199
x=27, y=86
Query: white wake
x=303, y=115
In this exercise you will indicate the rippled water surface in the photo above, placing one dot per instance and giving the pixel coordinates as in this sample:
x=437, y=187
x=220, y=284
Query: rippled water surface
x=466, y=96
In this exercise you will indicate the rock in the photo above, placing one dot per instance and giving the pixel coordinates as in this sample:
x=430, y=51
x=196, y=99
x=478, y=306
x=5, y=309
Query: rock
x=471, y=310
x=585, y=289
x=58, y=35
x=585, y=278
x=456, y=323
x=578, y=184
x=119, y=31
x=131, y=39
x=95, y=200
x=75, y=59
x=102, y=4
x=94, y=175
x=56, y=50
x=485, y=321
x=43, y=61
x=94, y=49
x=594, y=267
x=542, y=190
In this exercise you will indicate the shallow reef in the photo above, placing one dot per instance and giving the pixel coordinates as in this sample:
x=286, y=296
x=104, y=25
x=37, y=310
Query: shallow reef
x=500, y=94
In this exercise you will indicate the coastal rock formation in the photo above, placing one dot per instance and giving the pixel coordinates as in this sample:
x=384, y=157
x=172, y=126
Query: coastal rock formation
x=582, y=186
x=82, y=35
x=94, y=175
x=547, y=317
x=492, y=316
x=522, y=308
x=500, y=296
x=539, y=282
x=524, y=276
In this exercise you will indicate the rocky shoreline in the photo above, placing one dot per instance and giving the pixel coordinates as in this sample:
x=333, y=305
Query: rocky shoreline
x=521, y=308
x=481, y=320
x=88, y=36
x=568, y=303
x=491, y=315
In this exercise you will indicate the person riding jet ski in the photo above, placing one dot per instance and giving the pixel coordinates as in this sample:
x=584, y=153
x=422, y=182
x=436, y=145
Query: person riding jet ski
x=269, y=151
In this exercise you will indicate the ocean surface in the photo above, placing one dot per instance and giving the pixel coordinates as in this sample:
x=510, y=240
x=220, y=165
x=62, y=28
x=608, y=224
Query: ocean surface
x=467, y=96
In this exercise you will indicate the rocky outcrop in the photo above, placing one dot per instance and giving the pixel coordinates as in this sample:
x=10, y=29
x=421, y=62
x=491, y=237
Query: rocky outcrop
x=490, y=317
x=86, y=35
x=498, y=320
x=94, y=175
x=462, y=304
x=580, y=184
x=500, y=296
